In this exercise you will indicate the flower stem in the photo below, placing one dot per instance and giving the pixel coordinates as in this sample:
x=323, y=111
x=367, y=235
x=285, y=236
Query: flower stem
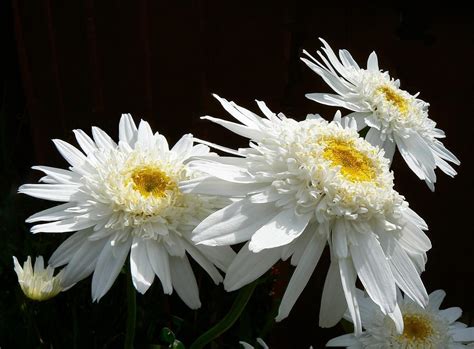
x=131, y=312
x=234, y=313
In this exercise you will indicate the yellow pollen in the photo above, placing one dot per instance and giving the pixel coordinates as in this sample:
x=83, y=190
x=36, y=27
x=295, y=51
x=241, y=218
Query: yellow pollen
x=394, y=98
x=355, y=166
x=417, y=328
x=151, y=181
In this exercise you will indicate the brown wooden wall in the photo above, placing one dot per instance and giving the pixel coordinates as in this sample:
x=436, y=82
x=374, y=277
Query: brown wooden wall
x=85, y=62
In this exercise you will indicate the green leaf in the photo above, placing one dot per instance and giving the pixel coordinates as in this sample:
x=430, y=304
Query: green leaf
x=167, y=336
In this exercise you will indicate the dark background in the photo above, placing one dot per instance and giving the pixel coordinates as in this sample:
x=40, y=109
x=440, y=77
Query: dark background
x=74, y=64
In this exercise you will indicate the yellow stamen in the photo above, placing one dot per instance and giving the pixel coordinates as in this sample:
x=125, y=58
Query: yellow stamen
x=394, y=98
x=151, y=181
x=417, y=328
x=355, y=166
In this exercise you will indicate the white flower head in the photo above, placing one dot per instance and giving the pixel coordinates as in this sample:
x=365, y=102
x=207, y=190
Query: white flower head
x=123, y=198
x=300, y=186
x=37, y=283
x=427, y=327
x=394, y=116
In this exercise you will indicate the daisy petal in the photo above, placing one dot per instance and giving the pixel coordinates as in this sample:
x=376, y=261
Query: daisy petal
x=184, y=281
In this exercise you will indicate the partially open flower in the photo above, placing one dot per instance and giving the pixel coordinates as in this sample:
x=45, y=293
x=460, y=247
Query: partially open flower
x=37, y=283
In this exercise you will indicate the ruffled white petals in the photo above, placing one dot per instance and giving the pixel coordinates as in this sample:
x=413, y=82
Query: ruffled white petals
x=159, y=261
x=393, y=115
x=184, y=281
x=333, y=302
x=301, y=275
x=426, y=327
x=110, y=263
x=249, y=266
x=232, y=224
x=114, y=194
x=280, y=230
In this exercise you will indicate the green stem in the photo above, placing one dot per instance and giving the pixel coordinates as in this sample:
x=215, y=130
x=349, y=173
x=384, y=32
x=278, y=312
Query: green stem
x=234, y=313
x=131, y=312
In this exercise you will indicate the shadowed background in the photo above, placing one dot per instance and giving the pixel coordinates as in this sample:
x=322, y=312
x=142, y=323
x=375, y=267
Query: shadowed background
x=82, y=63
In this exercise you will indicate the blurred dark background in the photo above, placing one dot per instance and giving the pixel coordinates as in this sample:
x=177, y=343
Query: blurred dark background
x=74, y=64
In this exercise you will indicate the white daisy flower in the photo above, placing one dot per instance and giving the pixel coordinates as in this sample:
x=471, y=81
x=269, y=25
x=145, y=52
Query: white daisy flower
x=427, y=327
x=300, y=186
x=393, y=115
x=122, y=198
x=37, y=283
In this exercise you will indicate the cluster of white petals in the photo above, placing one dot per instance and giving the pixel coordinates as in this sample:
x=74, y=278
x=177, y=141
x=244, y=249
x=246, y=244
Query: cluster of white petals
x=395, y=117
x=123, y=198
x=304, y=185
x=427, y=327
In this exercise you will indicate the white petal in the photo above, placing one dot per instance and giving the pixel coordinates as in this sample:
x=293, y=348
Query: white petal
x=407, y=277
x=145, y=135
x=339, y=239
x=374, y=271
x=59, y=175
x=127, y=129
x=373, y=137
x=217, y=186
x=233, y=224
x=221, y=256
x=345, y=340
x=301, y=275
x=159, y=261
x=450, y=314
x=333, y=302
x=182, y=149
x=51, y=214
x=83, y=262
x=435, y=299
x=463, y=334
x=280, y=230
x=372, y=62
x=52, y=192
x=226, y=172
x=243, y=115
x=348, y=279
x=68, y=248
x=62, y=226
x=72, y=155
x=203, y=262
x=85, y=142
x=243, y=131
x=184, y=281
x=102, y=139
x=248, y=266
x=142, y=272
x=109, y=265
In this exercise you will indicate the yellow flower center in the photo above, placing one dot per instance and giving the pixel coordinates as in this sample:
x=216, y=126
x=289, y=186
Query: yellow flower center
x=151, y=181
x=417, y=328
x=394, y=98
x=355, y=166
